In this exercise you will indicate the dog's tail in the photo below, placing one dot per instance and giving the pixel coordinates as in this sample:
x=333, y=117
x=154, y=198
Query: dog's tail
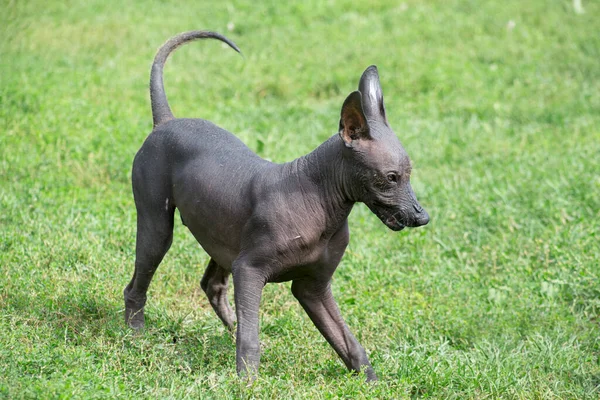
x=161, y=112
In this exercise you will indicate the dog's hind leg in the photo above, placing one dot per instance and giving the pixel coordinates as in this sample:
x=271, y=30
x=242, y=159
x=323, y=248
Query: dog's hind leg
x=215, y=285
x=154, y=238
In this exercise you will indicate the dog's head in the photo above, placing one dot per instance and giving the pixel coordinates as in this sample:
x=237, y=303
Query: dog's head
x=380, y=167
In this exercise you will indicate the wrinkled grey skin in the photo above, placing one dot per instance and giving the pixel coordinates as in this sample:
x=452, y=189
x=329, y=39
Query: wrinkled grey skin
x=263, y=222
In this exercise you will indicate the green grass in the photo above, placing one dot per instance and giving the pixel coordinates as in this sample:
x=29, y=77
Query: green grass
x=497, y=103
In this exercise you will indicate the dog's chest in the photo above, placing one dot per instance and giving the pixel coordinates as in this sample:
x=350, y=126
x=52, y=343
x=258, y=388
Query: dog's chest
x=300, y=257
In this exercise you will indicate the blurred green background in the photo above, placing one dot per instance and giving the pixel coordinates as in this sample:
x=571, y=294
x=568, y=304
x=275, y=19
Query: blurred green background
x=497, y=103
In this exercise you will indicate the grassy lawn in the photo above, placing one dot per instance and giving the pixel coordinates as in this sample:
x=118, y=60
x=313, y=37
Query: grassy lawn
x=497, y=103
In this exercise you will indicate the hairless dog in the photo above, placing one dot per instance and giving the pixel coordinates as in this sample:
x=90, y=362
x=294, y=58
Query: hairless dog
x=264, y=222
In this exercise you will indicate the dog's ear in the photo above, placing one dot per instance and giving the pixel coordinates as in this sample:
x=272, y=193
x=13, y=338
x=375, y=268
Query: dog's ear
x=353, y=123
x=372, y=95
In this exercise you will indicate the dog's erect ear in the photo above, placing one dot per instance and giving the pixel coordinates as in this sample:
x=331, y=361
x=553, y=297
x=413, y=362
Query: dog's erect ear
x=372, y=96
x=353, y=123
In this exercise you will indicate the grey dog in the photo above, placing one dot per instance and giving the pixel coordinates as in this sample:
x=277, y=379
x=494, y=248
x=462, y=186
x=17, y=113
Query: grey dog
x=265, y=222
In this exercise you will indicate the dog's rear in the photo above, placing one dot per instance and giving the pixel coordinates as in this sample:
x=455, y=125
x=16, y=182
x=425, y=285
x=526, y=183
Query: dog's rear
x=159, y=174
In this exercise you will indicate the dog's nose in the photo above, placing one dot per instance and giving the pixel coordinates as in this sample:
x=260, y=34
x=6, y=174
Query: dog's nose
x=424, y=219
x=421, y=218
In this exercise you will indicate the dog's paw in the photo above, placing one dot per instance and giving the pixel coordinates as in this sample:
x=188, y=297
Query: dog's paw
x=135, y=319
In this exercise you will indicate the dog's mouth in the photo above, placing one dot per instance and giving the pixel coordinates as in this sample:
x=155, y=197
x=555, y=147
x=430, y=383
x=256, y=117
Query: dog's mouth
x=388, y=218
x=393, y=223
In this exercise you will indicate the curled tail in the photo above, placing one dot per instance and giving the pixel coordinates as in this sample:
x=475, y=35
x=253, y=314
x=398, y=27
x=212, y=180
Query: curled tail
x=161, y=112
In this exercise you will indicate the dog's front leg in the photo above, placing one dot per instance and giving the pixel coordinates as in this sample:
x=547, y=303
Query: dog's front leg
x=318, y=302
x=248, y=285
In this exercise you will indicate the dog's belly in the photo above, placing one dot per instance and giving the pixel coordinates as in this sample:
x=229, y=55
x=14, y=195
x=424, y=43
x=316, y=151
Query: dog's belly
x=224, y=252
x=216, y=224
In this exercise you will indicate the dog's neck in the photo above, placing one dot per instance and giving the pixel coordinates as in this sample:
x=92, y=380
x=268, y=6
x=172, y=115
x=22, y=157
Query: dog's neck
x=324, y=172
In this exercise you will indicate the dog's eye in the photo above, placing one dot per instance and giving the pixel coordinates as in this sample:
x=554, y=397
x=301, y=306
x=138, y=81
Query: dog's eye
x=391, y=177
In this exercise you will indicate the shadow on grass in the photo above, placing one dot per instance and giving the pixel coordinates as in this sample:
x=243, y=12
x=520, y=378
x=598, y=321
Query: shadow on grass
x=81, y=313
x=92, y=322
